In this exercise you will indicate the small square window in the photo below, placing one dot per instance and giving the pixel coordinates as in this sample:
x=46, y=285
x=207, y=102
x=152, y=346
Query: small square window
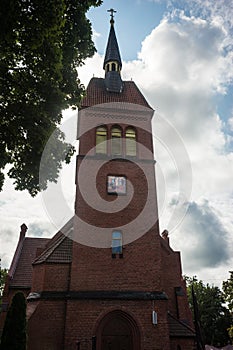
x=116, y=184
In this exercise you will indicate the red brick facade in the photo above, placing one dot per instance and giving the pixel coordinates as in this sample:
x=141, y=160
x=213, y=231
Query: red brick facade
x=82, y=295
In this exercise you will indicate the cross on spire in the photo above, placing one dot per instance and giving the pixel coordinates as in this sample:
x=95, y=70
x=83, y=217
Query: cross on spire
x=112, y=11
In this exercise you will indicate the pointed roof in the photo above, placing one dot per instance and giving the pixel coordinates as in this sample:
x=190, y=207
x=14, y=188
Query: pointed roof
x=59, y=248
x=112, y=51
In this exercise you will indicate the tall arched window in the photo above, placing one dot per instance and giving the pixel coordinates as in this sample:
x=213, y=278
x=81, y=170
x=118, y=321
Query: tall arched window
x=130, y=139
x=101, y=140
x=116, y=141
x=113, y=67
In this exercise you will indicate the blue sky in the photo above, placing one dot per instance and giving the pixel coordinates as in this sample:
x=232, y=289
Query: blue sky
x=179, y=53
x=135, y=19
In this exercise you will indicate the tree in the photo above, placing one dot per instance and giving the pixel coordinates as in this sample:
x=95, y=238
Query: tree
x=227, y=287
x=3, y=274
x=14, y=331
x=215, y=317
x=41, y=45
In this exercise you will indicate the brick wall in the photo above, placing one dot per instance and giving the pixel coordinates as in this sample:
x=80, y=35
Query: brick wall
x=46, y=326
x=85, y=318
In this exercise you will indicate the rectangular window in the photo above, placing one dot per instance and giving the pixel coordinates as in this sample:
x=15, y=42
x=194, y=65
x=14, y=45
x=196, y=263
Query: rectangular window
x=116, y=242
x=101, y=140
x=116, y=144
x=130, y=138
x=116, y=184
x=130, y=147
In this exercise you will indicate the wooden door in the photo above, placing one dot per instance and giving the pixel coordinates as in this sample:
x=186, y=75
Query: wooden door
x=117, y=335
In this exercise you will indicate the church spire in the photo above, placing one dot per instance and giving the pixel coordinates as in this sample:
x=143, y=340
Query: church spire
x=112, y=60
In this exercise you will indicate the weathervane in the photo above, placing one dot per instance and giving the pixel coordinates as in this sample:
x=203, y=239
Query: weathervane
x=112, y=15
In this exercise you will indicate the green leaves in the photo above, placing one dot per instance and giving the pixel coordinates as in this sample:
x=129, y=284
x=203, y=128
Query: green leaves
x=227, y=287
x=215, y=317
x=41, y=45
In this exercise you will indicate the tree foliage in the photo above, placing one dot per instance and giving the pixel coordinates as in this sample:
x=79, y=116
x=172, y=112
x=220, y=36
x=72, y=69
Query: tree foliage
x=215, y=317
x=14, y=331
x=3, y=274
x=227, y=287
x=42, y=42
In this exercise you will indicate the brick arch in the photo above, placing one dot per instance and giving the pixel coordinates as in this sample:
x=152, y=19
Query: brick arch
x=117, y=330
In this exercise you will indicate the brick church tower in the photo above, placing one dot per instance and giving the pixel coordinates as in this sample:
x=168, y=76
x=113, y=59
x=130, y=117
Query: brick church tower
x=108, y=280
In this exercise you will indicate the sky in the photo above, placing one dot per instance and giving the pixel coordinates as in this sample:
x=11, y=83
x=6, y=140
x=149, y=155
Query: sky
x=179, y=53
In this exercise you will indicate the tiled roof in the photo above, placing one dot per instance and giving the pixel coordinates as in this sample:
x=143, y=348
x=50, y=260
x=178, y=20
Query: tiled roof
x=22, y=276
x=56, y=249
x=178, y=328
x=97, y=94
x=59, y=251
x=59, y=248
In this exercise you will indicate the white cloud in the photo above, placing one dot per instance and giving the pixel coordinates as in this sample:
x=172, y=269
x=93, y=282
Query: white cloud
x=183, y=65
x=204, y=238
x=230, y=123
x=93, y=67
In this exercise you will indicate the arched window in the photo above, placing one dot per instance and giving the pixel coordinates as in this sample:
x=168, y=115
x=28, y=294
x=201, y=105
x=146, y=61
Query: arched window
x=101, y=140
x=130, y=139
x=116, y=141
x=113, y=67
x=116, y=242
x=108, y=67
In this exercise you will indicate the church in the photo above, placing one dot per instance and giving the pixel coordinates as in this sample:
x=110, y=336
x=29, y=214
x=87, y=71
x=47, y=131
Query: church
x=108, y=280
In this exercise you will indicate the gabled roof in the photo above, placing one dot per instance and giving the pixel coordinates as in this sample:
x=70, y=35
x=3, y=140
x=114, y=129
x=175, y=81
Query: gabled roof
x=22, y=274
x=112, y=49
x=59, y=248
x=97, y=94
x=58, y=251
x=52, y=250
x=179, y=329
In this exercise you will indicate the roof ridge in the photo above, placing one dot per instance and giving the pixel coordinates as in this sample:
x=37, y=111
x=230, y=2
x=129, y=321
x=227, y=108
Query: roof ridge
x=52, y=248
x=16, y=258
x=45, y=238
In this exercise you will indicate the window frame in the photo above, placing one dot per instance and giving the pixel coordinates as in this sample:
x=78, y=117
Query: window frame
x=104, y=142
x=116, y=138
x=120, y=191
x=128, y=138
x=117, y=249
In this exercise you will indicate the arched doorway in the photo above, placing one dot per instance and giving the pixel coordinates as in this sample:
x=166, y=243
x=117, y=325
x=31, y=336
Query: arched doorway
x=118, y=331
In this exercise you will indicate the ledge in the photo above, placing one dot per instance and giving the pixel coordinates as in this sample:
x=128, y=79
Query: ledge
x=97, y=295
